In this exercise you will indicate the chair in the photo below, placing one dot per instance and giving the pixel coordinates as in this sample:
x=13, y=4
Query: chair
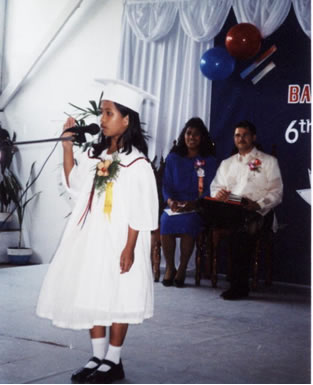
x=156, y=254
x=208, y=248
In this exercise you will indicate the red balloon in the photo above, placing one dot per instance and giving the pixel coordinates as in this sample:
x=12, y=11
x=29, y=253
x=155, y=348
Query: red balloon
x=243, y=41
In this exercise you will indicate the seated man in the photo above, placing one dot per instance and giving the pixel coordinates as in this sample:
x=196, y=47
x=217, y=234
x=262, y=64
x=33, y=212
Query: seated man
x=254, y=175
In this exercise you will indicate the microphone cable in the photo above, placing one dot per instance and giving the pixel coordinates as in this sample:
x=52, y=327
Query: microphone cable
x=32, y=182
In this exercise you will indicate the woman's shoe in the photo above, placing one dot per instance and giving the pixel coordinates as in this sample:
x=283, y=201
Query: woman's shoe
x=170, y=281
x=81, y=374
x=179, y=282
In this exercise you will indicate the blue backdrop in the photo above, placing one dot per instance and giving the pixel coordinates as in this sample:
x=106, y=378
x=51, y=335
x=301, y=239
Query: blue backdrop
x=266, y=105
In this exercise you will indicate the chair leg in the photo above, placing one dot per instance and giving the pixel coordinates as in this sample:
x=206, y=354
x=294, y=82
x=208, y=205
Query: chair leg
x=268, y=255
x=255, y=279
x=156, y=254
x=267, y=240
x=214, y=271
x=199, y=255
x=206, y=254
x=229, y=262
x=214, y=245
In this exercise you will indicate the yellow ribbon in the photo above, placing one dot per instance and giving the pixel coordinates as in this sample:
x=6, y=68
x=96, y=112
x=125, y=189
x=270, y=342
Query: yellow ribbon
x=108, y=199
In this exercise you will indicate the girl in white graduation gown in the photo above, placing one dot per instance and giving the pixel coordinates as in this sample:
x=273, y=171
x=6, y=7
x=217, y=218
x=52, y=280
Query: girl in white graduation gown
x=101, y=273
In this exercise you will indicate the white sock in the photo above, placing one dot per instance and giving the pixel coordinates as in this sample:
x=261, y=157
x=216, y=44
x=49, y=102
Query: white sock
x=98, y=346
x=114, y=355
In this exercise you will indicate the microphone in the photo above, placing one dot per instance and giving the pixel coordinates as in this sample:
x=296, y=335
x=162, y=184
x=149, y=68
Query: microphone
x=80, y=131
x=78, y=136
x=92, y=129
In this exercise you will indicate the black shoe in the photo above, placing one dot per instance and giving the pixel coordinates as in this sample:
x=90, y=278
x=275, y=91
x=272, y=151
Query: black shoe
x=232, y=294
x=81, y=374
x=114, y=374
x=179, y=282
x=170, y=281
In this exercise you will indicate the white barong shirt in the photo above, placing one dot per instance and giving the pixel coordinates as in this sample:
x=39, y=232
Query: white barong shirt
x=263, y=184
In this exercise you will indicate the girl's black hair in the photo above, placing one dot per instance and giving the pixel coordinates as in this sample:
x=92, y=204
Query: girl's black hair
x=133, y=136
x=207, y=147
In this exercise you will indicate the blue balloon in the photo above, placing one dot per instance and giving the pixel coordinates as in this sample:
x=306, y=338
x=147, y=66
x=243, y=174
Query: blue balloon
x=217, y=64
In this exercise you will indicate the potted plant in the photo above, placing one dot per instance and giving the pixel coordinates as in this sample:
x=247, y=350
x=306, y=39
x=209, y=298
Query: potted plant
x=5, y=201
x=13, y=197
x=6, y=154
x=19, y=196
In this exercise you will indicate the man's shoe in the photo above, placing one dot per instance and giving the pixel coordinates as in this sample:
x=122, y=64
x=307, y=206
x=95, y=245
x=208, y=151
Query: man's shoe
x=81, y=374
x=114, y=374
x=233, y=294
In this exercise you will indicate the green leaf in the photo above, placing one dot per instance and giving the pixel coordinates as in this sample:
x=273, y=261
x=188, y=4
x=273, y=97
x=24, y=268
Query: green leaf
x=31, y=198
x=80, y=122
x=94, y=105
x=100, y=99
x=79, y=108
x=92, y=112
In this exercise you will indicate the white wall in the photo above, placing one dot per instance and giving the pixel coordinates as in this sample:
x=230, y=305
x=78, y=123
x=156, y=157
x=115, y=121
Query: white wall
x=87, y=47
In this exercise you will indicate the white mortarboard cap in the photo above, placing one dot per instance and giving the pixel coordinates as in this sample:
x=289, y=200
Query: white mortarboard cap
x=124, y=93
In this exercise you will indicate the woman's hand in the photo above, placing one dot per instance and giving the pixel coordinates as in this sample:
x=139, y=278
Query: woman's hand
x=68, y=144
x=189, y=206
x=127, y=260
x=175, y=206
x=180, y=206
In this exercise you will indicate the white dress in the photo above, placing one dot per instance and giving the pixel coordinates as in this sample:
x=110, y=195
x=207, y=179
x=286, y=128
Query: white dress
x=83, y=286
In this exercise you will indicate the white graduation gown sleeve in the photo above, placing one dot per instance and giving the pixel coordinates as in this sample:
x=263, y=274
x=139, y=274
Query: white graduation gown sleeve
x=76, y=176
x=143, y=208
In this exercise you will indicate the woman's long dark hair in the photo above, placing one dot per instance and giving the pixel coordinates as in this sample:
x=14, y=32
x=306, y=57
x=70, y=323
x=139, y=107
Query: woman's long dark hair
x=133, y=136
x=207, y=147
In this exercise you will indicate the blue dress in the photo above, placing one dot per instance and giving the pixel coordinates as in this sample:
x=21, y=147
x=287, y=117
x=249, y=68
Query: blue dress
x=180, y=182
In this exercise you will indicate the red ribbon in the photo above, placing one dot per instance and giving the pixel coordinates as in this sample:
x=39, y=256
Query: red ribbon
x=89, y=204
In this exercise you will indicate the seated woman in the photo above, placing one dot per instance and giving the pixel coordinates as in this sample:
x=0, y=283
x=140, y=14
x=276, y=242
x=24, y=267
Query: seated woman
x=189, y=170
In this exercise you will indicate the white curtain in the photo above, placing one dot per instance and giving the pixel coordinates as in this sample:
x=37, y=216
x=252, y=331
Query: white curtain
x=266, y=15
x=151, y=21
x=303, y=12
x=202, y=20
x=162, y=43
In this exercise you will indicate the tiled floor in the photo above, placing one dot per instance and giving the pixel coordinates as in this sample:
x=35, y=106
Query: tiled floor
x=194, y=337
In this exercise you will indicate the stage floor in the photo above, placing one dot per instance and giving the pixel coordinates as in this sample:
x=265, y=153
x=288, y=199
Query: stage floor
x=195, y=336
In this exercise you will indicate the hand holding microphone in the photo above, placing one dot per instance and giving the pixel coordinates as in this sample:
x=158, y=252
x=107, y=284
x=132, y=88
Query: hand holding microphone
x=68, y=144
x=78, y=132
